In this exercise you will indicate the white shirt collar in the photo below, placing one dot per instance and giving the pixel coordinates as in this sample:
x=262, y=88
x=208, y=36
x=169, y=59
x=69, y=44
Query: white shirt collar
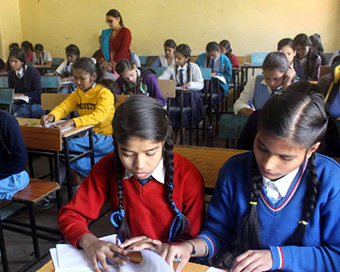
x=158, y=174
x=278, y=88
x=184, y=67
x=219, y=55
x=278, y=189
x=21, y=71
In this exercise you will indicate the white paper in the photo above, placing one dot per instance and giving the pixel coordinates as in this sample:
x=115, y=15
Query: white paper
x=22, y=97
x=66, y=82
x=220, y=78
x=54, y=123
x=213, y=269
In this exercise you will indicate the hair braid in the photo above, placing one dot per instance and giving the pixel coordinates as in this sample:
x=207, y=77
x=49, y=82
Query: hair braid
x=188, y=71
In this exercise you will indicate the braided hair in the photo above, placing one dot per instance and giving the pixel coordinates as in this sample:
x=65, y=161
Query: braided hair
x=185, y=50
x=300, y=117
x=130, y=121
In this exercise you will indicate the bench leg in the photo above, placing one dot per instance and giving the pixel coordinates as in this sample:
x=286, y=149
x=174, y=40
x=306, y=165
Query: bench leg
x=34, y=232
x=3, y=250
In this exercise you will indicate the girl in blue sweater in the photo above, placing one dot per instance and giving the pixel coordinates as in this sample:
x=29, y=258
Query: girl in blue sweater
x=275, y=208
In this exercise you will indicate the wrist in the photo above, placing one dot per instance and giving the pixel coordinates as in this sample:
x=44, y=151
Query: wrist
x=193, y=251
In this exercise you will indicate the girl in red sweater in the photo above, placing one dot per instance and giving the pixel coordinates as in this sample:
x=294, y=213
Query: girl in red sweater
x=153, y=191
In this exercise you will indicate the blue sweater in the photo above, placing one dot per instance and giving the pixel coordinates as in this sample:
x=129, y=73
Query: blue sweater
x=14, y=143
x=225, y=69
x=230, y=203
x=33, y=84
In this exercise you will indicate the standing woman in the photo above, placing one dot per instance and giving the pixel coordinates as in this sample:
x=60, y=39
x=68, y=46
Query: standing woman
x=115, y=42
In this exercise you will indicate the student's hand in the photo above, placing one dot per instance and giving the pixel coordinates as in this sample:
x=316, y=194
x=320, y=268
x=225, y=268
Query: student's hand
x=288, y=77
x=186, y=86
x=46, y=119
x=181, y=251
x=246, y=111
x=18, y=94
x=253, y=260
x=98, y=251
x=106, y=65
x=65, y=124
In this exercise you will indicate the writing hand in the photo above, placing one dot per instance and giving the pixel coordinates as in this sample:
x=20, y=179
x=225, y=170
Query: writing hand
x=46, y=119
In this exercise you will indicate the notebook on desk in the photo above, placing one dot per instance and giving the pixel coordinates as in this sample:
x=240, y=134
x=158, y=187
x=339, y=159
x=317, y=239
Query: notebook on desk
x=55, y=123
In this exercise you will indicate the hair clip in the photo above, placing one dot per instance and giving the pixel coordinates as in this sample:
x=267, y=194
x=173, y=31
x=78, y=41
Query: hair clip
x=253, y=203
x=93, y=60
x=303, y=222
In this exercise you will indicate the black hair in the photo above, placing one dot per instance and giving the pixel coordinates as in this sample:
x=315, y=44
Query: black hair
x=20, y=55
x=13, y=45
x=227, y=45
x=302, y=39
x=124, y=64
x=300, y=117
x=286, y=42
x=39, y=47
x=185, y=50
x=129, y=122
x=336, y=59
x=316, y=42
x=91, y=66
x=72, y=49
x=115, y=13
x=170, y=43
x=212, y=46
x=27, y=45
x=276, y=60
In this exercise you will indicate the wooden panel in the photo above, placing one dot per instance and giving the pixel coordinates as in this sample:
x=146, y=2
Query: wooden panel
x=35, y=191
x=208, y=160
x=167, y=88
x=50, y=100
x=42, y=138
x=241, y=59
x=193, y=58
x=324, y=70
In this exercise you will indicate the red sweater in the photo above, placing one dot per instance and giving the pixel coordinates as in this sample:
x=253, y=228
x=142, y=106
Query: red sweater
x=146, y=209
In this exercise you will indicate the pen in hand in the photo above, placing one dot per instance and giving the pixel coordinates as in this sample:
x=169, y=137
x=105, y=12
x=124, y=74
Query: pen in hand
x=251, y=104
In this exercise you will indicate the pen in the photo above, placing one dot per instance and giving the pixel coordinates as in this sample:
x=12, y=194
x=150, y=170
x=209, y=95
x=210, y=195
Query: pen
x=32, y=124
x=26, y=125
x=251, y=104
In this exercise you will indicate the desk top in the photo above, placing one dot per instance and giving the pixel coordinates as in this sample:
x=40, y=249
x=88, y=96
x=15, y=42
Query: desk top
x=190, y=267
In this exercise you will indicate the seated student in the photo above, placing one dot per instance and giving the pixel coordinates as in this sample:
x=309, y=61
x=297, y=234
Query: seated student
x=13, y=155
x=188, y=76
x=220, y=66
x=275, y=208
x=169, y=57
x=306, y=63
x=152, y=190
x=64, y=71
x=335, y=54
x=95, y=105
x=135, y=59
x=5, y=70
x=330, y=84
x=25, y=80
x=330, y=144
x=287, y=46
x=41, y=57
x=226, y=50
x=318, y=48
x=276, y=78
x=28, y=48
x=135, y=80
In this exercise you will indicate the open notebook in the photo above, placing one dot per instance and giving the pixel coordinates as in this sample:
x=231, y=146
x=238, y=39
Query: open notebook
x=68, y=258
x=54, y=123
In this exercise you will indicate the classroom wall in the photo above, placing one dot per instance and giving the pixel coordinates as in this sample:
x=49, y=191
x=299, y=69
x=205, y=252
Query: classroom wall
x=10, y=25
x=251, y=26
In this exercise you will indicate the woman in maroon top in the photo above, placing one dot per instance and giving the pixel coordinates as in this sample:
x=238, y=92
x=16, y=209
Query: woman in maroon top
x=115, y=43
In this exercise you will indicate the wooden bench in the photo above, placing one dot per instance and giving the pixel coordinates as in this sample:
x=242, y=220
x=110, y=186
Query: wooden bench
x=34, y=192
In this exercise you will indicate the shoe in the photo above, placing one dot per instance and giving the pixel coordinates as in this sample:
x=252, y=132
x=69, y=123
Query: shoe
x=44, y=204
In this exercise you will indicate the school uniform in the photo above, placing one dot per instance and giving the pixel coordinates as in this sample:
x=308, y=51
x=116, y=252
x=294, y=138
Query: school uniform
x=257, y=91
x=161, y=61
x=147, y=85
x=233, y=60
x=135, y=59
x=95, y=107
x=43, y=58
x=196, y=85
x=335, y=54
x=308, y=68
x=65, y=70
x=13, y=156
x=29, y=56
x=28, y=82
x=146, y=209
x=278, y=219
x=333, y=100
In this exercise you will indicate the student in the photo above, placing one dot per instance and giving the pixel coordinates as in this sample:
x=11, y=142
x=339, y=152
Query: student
x=169, y=57
x=335, y=54
x=276, y=78
x=28, y=48
x=287, y=46
x=135, y=59
x=25, y=80
x=13, y=155
x=220, y=66
x=188, y=76
x=226, y=50
x=279, y=202
x=64, y=71
x=41, y=57
x=318, y=48
x=152, y=190
x=306, y=63
x=95, y=105
x=135, y=80
x=5, y=70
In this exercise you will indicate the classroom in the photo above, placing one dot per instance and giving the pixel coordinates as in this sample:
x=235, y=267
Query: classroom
x=251, y=27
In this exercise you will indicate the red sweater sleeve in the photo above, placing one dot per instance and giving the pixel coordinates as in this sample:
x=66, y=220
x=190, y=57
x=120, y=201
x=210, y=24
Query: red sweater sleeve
x=87, y=203
x=122, y=45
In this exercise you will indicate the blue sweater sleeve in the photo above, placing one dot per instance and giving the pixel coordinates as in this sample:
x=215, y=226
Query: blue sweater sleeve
x=226, y=70
x=156, y=63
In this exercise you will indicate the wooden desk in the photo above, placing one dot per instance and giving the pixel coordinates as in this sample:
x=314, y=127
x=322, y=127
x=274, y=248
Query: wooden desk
x=190, y=267
x=50, y=141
